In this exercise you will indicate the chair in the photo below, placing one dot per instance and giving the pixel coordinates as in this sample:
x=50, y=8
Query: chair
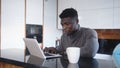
x=116, y=55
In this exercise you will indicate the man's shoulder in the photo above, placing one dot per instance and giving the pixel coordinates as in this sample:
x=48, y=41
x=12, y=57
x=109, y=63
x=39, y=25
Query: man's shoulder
x=88, y=30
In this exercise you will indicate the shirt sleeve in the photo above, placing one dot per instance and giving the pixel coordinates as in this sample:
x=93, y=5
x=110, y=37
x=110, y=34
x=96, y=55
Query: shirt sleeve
x=91, y=45
x=60, y=48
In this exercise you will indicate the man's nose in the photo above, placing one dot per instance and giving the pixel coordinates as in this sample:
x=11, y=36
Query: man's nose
x=64, y=27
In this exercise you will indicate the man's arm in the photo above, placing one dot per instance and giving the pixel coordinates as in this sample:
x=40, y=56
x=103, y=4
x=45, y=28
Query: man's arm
x=60, y=48
x=91, y=45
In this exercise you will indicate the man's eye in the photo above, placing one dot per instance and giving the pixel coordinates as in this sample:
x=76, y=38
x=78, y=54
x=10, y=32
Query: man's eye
x=61, y=24
x=66, y=24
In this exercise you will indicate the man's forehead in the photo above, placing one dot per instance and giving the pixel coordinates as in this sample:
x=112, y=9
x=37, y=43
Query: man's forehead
x=67, y=19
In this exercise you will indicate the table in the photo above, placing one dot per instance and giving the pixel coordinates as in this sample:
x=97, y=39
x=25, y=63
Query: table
x=99, y=61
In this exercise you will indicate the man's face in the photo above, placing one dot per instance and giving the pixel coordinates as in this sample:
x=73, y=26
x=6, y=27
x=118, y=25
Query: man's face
x=69, y=25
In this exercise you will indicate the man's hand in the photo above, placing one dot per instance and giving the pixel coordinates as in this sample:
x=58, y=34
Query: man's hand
x=50, y=49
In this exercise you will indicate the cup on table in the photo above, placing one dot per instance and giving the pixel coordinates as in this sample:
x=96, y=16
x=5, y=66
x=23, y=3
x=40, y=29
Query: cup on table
x=71, y=65
x=73, y=54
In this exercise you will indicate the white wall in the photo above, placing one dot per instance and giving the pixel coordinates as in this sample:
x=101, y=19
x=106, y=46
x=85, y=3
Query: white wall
x=12, y=23
x=50, y=31
x=34, y=12
x=12, y=29
x=96, y=14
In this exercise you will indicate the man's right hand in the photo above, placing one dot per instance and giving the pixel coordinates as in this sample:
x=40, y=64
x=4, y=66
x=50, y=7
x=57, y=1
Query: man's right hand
x=50, y=49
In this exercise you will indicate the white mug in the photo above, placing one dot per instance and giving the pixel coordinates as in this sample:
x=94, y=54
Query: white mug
x=73, y=54
x=71, y=65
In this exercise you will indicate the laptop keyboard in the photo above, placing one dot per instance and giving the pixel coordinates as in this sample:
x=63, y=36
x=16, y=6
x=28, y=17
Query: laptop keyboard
x=47, y=54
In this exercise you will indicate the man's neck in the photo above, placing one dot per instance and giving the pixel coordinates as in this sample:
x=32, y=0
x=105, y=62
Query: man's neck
x=77, y=29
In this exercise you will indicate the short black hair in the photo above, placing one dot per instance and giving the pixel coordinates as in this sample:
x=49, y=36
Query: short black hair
x=69, y=12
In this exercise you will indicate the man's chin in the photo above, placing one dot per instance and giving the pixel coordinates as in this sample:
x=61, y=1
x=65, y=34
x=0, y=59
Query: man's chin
x=68, y=33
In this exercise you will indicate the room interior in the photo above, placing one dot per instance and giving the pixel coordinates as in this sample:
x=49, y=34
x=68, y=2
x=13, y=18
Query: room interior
x=16, y=15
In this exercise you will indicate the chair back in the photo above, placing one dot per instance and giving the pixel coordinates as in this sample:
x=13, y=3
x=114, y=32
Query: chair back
x=116, y=55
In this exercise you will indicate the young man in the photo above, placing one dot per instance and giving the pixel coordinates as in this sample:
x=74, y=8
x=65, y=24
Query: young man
x=75, y=36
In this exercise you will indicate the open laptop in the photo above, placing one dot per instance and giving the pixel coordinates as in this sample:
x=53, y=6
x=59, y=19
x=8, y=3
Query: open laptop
x=35, y=49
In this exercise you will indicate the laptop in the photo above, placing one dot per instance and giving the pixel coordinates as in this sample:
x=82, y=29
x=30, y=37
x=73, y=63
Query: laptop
x=35, y=50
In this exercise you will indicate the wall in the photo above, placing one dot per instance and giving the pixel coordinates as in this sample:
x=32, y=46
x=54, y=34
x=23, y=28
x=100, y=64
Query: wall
x=34, y=12
x=50, y=31
x=12, y=23
x=12, y=29
x=96, y=14
x=14, y=15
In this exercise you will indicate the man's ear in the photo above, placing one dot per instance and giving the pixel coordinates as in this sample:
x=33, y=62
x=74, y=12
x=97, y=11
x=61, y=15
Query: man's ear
x=77, y=21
